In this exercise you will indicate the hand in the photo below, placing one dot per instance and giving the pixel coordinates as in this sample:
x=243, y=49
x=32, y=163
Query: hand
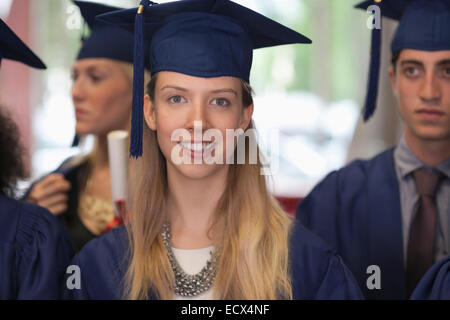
x=51, y=193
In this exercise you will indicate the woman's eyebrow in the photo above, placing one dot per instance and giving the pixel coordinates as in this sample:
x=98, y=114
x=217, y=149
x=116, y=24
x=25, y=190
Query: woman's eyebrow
x=96, y=69
x=225, y=90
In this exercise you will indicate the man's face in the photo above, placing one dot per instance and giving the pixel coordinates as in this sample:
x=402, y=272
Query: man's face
x=421, y=83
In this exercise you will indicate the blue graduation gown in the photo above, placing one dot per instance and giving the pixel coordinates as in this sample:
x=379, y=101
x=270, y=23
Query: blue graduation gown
x=356, y=210
x=435, y=284
x=317, y=272
x=73, y=169
x=34, y=251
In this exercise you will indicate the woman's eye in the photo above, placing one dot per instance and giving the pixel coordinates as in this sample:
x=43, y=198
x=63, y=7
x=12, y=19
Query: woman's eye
x=176, y=99
x=96, y=78
x=221, y=102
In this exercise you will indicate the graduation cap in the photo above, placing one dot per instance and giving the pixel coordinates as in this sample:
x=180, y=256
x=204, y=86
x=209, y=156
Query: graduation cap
x=424, y=25
x=105, y=40
x=203, y=38
x=12, y=48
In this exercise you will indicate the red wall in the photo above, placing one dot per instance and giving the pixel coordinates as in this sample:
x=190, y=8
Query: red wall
x=15, y=77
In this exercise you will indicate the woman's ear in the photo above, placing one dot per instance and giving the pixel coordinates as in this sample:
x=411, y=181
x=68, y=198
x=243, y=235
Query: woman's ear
x=246, y=117
x=149, y=113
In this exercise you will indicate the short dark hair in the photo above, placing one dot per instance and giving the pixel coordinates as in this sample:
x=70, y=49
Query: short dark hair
x=247, y=90
x=11, y=150
x=394, y=59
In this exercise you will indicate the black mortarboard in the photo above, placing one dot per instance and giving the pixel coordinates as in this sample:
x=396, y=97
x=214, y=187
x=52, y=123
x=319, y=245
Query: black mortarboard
x=105, y=40
x=12, y=48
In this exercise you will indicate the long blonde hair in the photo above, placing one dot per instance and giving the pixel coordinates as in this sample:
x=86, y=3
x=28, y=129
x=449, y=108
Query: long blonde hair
x=250, y=228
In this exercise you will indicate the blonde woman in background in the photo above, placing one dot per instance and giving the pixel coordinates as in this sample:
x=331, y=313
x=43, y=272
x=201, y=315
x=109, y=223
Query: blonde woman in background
x=79, y=191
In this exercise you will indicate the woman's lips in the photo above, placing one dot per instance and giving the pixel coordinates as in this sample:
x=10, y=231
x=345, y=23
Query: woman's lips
x=80, y=112
x=197, y=149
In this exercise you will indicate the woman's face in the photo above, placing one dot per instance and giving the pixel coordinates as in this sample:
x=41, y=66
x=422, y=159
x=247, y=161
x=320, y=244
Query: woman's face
x=181, y=101
x=102, y=96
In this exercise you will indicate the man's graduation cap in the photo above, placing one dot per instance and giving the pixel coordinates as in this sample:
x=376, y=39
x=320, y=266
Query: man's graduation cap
x=12, y=48
x=424, y=25
x=203, y=38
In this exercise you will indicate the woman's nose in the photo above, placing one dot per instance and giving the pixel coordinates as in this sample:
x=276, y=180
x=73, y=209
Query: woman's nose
x=197, y=116
x=78, y=92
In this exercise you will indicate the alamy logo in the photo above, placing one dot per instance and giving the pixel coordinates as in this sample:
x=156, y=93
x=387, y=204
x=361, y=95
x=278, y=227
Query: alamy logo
x=374, y=280
x=74, y=20
x=74, y=280
x=374, y=21
x=212, y=147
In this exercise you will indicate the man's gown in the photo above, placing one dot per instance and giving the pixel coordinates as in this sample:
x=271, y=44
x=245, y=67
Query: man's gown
x=356, y=210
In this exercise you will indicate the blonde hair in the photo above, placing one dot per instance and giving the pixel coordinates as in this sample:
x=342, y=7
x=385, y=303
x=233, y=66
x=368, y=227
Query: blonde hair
x=127, y=68
x=251, y=230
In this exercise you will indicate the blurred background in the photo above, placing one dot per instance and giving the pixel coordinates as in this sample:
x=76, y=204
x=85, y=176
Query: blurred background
x=308, y=98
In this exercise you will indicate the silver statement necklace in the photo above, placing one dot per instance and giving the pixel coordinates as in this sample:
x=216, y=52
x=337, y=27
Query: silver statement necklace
x=187, y=285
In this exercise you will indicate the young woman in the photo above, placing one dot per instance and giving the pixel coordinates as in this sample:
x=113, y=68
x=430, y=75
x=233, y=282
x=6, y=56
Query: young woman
x=34, y=248
x=79, y=191
x=202, y=229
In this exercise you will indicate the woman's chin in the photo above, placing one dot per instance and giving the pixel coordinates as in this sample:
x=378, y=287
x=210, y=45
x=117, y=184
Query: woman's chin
x=82, y=129
x=198, y=171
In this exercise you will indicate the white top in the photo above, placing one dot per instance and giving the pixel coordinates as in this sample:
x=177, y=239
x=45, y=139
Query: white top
x=192, y=262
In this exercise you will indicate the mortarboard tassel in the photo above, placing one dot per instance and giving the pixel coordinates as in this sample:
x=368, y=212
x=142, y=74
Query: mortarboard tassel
x=137, y=113
x=374, y=74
